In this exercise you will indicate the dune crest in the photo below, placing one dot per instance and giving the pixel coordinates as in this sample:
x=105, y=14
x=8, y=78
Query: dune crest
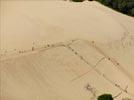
x=58, y=50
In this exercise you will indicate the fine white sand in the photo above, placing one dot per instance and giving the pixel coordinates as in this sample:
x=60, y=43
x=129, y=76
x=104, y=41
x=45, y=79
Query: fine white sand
x=61, y=50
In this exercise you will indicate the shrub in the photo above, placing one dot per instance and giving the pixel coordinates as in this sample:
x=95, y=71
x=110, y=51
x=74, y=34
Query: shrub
x=105, y=97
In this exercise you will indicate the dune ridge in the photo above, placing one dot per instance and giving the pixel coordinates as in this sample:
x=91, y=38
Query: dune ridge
x=58, y=50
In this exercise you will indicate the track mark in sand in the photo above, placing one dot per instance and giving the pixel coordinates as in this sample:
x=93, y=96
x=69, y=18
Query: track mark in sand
x=33, y=49
x=78, y=77
x=90, y=43
x=97, y=71
x=99, y=61
x=114, y=62
x=93, y=45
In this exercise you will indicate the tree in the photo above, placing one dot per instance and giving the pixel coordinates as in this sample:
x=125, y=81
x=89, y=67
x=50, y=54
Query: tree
x=105, y=97
x=132, y=12
x=124, y=6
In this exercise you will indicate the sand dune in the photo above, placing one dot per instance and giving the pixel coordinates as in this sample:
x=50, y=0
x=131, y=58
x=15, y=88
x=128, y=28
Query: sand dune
x=57, y=50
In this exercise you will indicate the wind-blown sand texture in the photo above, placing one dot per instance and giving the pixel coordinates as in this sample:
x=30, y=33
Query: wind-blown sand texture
x=61, y=50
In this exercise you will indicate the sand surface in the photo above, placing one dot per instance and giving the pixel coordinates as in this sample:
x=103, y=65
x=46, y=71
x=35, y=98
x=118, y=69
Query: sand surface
x=60, y=50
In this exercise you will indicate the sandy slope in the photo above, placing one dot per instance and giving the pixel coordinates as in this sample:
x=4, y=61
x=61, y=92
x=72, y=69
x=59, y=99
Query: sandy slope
x=49, y=22
x=80, y=50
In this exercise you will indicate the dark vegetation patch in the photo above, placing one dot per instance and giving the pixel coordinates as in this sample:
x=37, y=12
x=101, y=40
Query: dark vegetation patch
x=123, y=6
x=105, y=97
